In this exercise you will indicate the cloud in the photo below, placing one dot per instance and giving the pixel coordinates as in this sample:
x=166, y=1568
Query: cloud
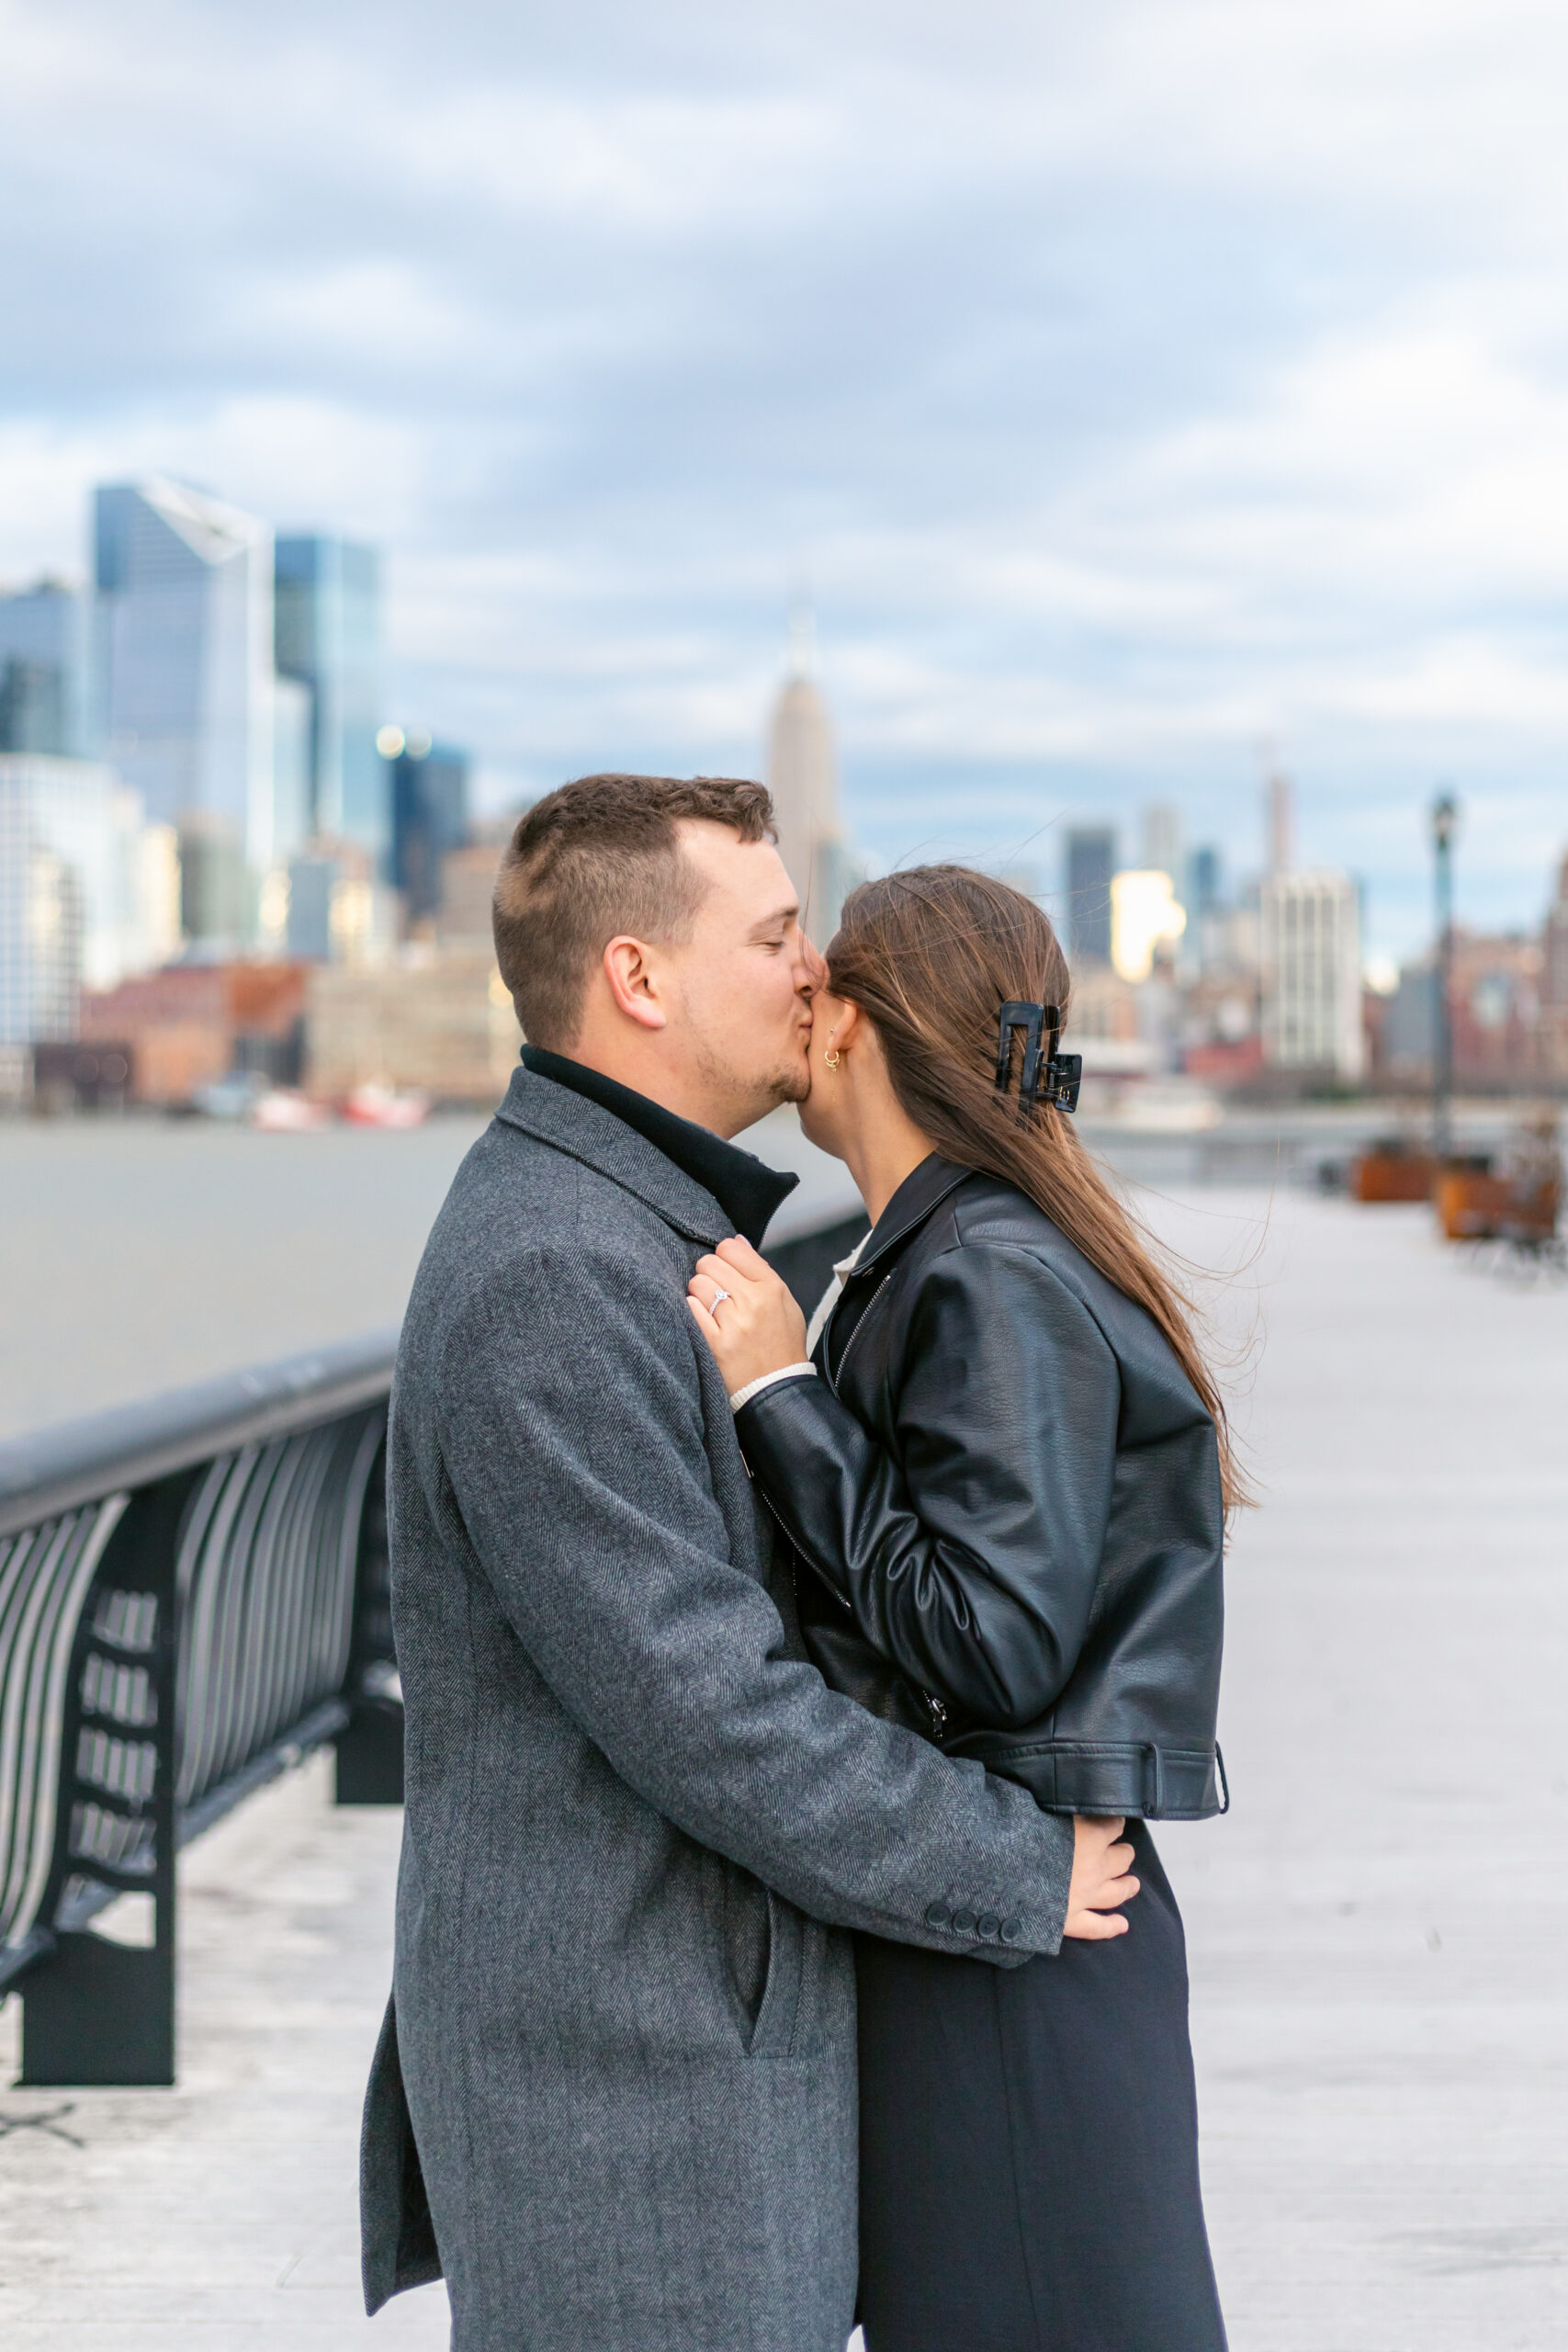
x=1129, y=384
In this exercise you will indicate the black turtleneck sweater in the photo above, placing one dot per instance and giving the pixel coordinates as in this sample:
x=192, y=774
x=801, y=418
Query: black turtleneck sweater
x=746, y=1189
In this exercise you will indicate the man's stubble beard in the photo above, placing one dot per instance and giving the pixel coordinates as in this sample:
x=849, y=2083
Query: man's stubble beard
x=753, y=1094
x=793, y=1083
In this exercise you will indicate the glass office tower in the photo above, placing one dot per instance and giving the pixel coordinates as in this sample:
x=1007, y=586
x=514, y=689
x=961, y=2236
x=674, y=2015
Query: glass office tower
x=1091, y=861
x=183, y=673
x=81, y=901
x=1205, y=882
x=430, y=814
x=43, y=671
x=328, y=604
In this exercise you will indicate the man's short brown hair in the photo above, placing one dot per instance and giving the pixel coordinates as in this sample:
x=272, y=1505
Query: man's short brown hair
x=592, y=859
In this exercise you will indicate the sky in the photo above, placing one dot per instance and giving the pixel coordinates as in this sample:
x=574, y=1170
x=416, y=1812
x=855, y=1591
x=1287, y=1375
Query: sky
x=1137, y=393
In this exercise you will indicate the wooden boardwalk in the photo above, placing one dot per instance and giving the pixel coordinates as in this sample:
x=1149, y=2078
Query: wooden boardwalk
x=1378, y=1930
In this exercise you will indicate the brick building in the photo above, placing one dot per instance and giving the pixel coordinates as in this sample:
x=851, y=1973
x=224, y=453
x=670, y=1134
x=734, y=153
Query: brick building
x=191, y=1024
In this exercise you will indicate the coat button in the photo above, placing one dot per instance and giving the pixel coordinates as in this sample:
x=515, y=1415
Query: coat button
x=1011, y=1930
x=989, y=1924
x=963, y=1923
x=937, y=1915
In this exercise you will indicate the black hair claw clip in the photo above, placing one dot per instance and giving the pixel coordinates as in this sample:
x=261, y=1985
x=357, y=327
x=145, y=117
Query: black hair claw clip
x=1046, y=1075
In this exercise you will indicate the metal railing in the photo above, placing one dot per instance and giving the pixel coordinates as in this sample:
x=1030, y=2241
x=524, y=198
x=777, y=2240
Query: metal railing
x=193, y=1594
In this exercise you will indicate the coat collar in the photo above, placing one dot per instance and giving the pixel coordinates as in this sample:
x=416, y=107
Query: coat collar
x=702, y=1186
x=921, y=1191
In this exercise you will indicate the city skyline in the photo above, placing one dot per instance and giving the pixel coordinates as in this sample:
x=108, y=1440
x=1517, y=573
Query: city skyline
x=235, y=672
x=325, y=692
x=1131, y=390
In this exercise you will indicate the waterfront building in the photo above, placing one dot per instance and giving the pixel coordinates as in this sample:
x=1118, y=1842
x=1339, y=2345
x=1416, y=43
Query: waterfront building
x=1497, y=980
x=41, y=943
x=327, y=640
x=430, y=813
x=465, y=917
x=439, y=1024
x=191, y=1025
x=219, y=890
x=337, y=908
x=1500, y=1012
x=1103, y=1009
x=1554, y=983
x=43, y=671
x=87, y=891
x=183, y=658
x=1220, y=1039
x=1091, y=860
x=1311, y=958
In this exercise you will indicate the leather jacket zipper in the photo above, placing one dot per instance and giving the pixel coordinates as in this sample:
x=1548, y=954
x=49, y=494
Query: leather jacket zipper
x=854, y=1335
x=934, y=1706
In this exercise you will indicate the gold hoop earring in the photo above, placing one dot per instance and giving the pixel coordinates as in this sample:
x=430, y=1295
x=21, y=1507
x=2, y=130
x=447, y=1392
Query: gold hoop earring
x=833, y=1058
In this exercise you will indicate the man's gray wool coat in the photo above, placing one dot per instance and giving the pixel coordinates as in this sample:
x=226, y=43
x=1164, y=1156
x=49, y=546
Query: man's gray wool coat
x=638, y=1822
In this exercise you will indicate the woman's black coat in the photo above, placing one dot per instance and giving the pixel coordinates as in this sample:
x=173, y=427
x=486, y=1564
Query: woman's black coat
x=1010, y=1495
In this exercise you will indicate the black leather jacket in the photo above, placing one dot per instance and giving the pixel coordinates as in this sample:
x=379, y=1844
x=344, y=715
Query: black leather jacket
x=1010, y=1496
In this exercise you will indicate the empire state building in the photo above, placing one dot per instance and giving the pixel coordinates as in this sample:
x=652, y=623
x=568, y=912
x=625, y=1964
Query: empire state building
x=802, y=777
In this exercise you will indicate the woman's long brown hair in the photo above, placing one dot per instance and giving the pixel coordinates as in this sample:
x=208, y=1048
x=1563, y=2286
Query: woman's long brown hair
x=930, y=955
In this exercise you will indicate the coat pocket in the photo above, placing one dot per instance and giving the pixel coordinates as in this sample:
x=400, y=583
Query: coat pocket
x=779, y=1976
x=748, y=1947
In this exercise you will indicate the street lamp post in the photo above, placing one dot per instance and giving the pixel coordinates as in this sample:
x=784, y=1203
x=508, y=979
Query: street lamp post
x=1445, y=823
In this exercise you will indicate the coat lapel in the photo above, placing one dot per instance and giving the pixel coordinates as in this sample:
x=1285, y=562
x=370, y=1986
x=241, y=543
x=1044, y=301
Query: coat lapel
x=570, y=1123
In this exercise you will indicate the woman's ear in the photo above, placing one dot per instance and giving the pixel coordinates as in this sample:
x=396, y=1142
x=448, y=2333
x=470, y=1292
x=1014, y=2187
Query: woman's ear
x=848, y=1023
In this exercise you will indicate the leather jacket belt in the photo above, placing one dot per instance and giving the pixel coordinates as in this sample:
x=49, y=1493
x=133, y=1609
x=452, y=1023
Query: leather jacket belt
x=1132, y=1778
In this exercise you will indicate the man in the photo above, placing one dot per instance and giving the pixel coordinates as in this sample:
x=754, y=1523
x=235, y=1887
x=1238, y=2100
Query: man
x=619, y=2063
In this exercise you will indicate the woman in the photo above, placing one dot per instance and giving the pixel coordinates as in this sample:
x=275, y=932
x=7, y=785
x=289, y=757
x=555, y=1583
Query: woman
x=1005, y=1476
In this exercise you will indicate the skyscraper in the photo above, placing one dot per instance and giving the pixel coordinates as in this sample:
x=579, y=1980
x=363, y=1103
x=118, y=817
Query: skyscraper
x=293, y=722
x=43, y=670
x=1280, y=821
x=86, y=891
x=1207, y=939
x=803, y=779
x=430, y=813
x=1162, y=842
x=184, y=655
x=1311, y=973
x=1205, y=882
x=1091, y=861
x=328, y=635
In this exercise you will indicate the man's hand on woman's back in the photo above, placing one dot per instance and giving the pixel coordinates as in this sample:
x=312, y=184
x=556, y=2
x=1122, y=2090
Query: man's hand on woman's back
x=1102, y=1881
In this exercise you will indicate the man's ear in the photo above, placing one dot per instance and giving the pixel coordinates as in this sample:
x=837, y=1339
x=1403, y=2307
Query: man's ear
x=634, y=984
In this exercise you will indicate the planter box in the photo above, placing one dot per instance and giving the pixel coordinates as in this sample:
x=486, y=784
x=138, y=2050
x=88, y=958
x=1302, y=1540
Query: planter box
x=1479, y=1208
x=1391, y=1176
